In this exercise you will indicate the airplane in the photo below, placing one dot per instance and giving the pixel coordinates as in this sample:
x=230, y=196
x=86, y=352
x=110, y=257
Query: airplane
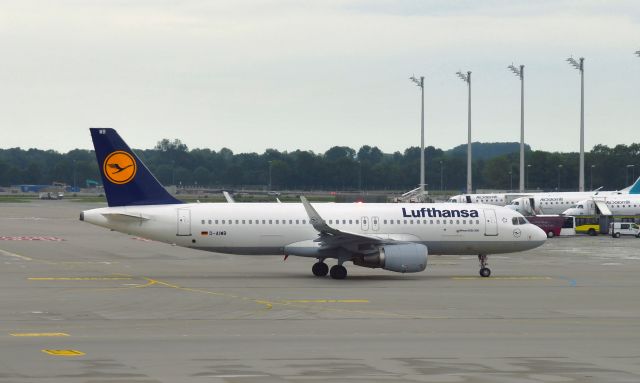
x=610, y=205
x=557, y=203
x=394, y=237
x=542, y=199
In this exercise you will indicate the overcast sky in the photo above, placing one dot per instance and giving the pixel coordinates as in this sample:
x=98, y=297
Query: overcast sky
x=251, y=75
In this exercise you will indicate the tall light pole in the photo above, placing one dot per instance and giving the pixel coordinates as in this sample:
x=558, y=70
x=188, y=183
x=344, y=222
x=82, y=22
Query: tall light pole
x=441, y=177
x=627, y=174
x=591, y=176
x=420, y=83
x=270, y=166
x=520, y=73
x=467, y=78
x=559, y=169
x=580, y=66
x=528, y=176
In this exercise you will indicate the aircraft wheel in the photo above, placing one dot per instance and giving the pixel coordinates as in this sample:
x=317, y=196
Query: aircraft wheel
x=550, y=234
x=320, y=269
x=338, y=272
x=485, y=272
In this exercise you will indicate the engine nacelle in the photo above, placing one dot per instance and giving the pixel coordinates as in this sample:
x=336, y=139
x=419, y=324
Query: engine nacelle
x=402, y=258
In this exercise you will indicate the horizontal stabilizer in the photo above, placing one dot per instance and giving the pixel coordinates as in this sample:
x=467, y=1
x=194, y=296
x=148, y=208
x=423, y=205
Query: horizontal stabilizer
x=124, y=216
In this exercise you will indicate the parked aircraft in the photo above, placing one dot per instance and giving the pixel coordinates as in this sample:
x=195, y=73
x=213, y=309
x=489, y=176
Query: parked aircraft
x=609, y=205
x=395, y=237
x=542, y=203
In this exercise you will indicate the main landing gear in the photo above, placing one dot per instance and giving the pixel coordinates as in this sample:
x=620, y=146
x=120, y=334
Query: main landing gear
x=338, y=272
x=484, y=270
x=320, y=269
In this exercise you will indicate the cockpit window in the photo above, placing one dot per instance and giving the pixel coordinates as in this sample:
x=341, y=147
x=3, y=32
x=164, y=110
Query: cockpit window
x=516, y=203
x=580, y=206
x=514, y=220
x=522, y=221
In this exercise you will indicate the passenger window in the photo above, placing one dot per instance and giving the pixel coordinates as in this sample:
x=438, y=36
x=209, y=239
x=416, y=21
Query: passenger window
x=243, y=221
x=304, y=221
x=344, y=221
x=457, y=221
x=203, y=221
x=390, y=222
x=431, y=222
x=350, y=222
x=264, y=222
x=209, y=222
x=297, y=222
x=216, y=221
x=477, y=221
x=277, y=221
x=237, y=221
x=444, y=221
x=451, y=221
x=405, y=221
x=358, y=221
x=223, y=221
x=437, y=221
x=385, y=221
x=250, y=222
x=398, y=221
x=464, y=221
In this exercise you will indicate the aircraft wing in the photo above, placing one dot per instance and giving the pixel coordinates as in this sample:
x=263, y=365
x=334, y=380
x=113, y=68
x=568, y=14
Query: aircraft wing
x=125, y=216
x=334, y=238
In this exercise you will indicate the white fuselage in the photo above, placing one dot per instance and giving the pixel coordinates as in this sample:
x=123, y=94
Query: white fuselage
x=618, y=205
x=554, y=203
x=271, y=228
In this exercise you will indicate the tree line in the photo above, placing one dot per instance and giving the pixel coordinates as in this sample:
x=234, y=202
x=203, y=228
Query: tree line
x=339, y=168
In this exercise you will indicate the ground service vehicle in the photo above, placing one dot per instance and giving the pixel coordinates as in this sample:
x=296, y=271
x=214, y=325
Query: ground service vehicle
x=616, y=229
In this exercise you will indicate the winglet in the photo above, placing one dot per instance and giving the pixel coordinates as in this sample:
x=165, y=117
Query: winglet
x=315, y=219
x=228, y=197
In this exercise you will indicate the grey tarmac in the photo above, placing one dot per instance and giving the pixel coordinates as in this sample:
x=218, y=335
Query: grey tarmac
x=79, y=303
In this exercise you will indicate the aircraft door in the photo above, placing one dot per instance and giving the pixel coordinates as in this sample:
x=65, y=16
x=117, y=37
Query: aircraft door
x=468, y=199
x=490, y=222
x=184, y=222
x=375, y=223
x=364, y=223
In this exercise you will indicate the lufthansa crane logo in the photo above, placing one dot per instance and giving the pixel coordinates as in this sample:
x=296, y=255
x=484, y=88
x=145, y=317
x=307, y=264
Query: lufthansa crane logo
x=119, y=167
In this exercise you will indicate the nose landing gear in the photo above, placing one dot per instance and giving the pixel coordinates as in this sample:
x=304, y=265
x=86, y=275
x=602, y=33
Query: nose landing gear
x=484, y=270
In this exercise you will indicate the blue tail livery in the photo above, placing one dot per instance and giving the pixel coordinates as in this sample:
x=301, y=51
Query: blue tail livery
x=635, y=188
x=126, y=180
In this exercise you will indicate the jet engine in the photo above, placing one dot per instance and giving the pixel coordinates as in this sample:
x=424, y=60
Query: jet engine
x=402, y=258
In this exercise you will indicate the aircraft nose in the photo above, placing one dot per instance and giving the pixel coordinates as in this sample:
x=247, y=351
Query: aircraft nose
x=538, y=235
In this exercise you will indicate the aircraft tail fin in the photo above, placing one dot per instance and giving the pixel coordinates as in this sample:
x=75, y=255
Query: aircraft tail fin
x=126, y=180
x=635, y=188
